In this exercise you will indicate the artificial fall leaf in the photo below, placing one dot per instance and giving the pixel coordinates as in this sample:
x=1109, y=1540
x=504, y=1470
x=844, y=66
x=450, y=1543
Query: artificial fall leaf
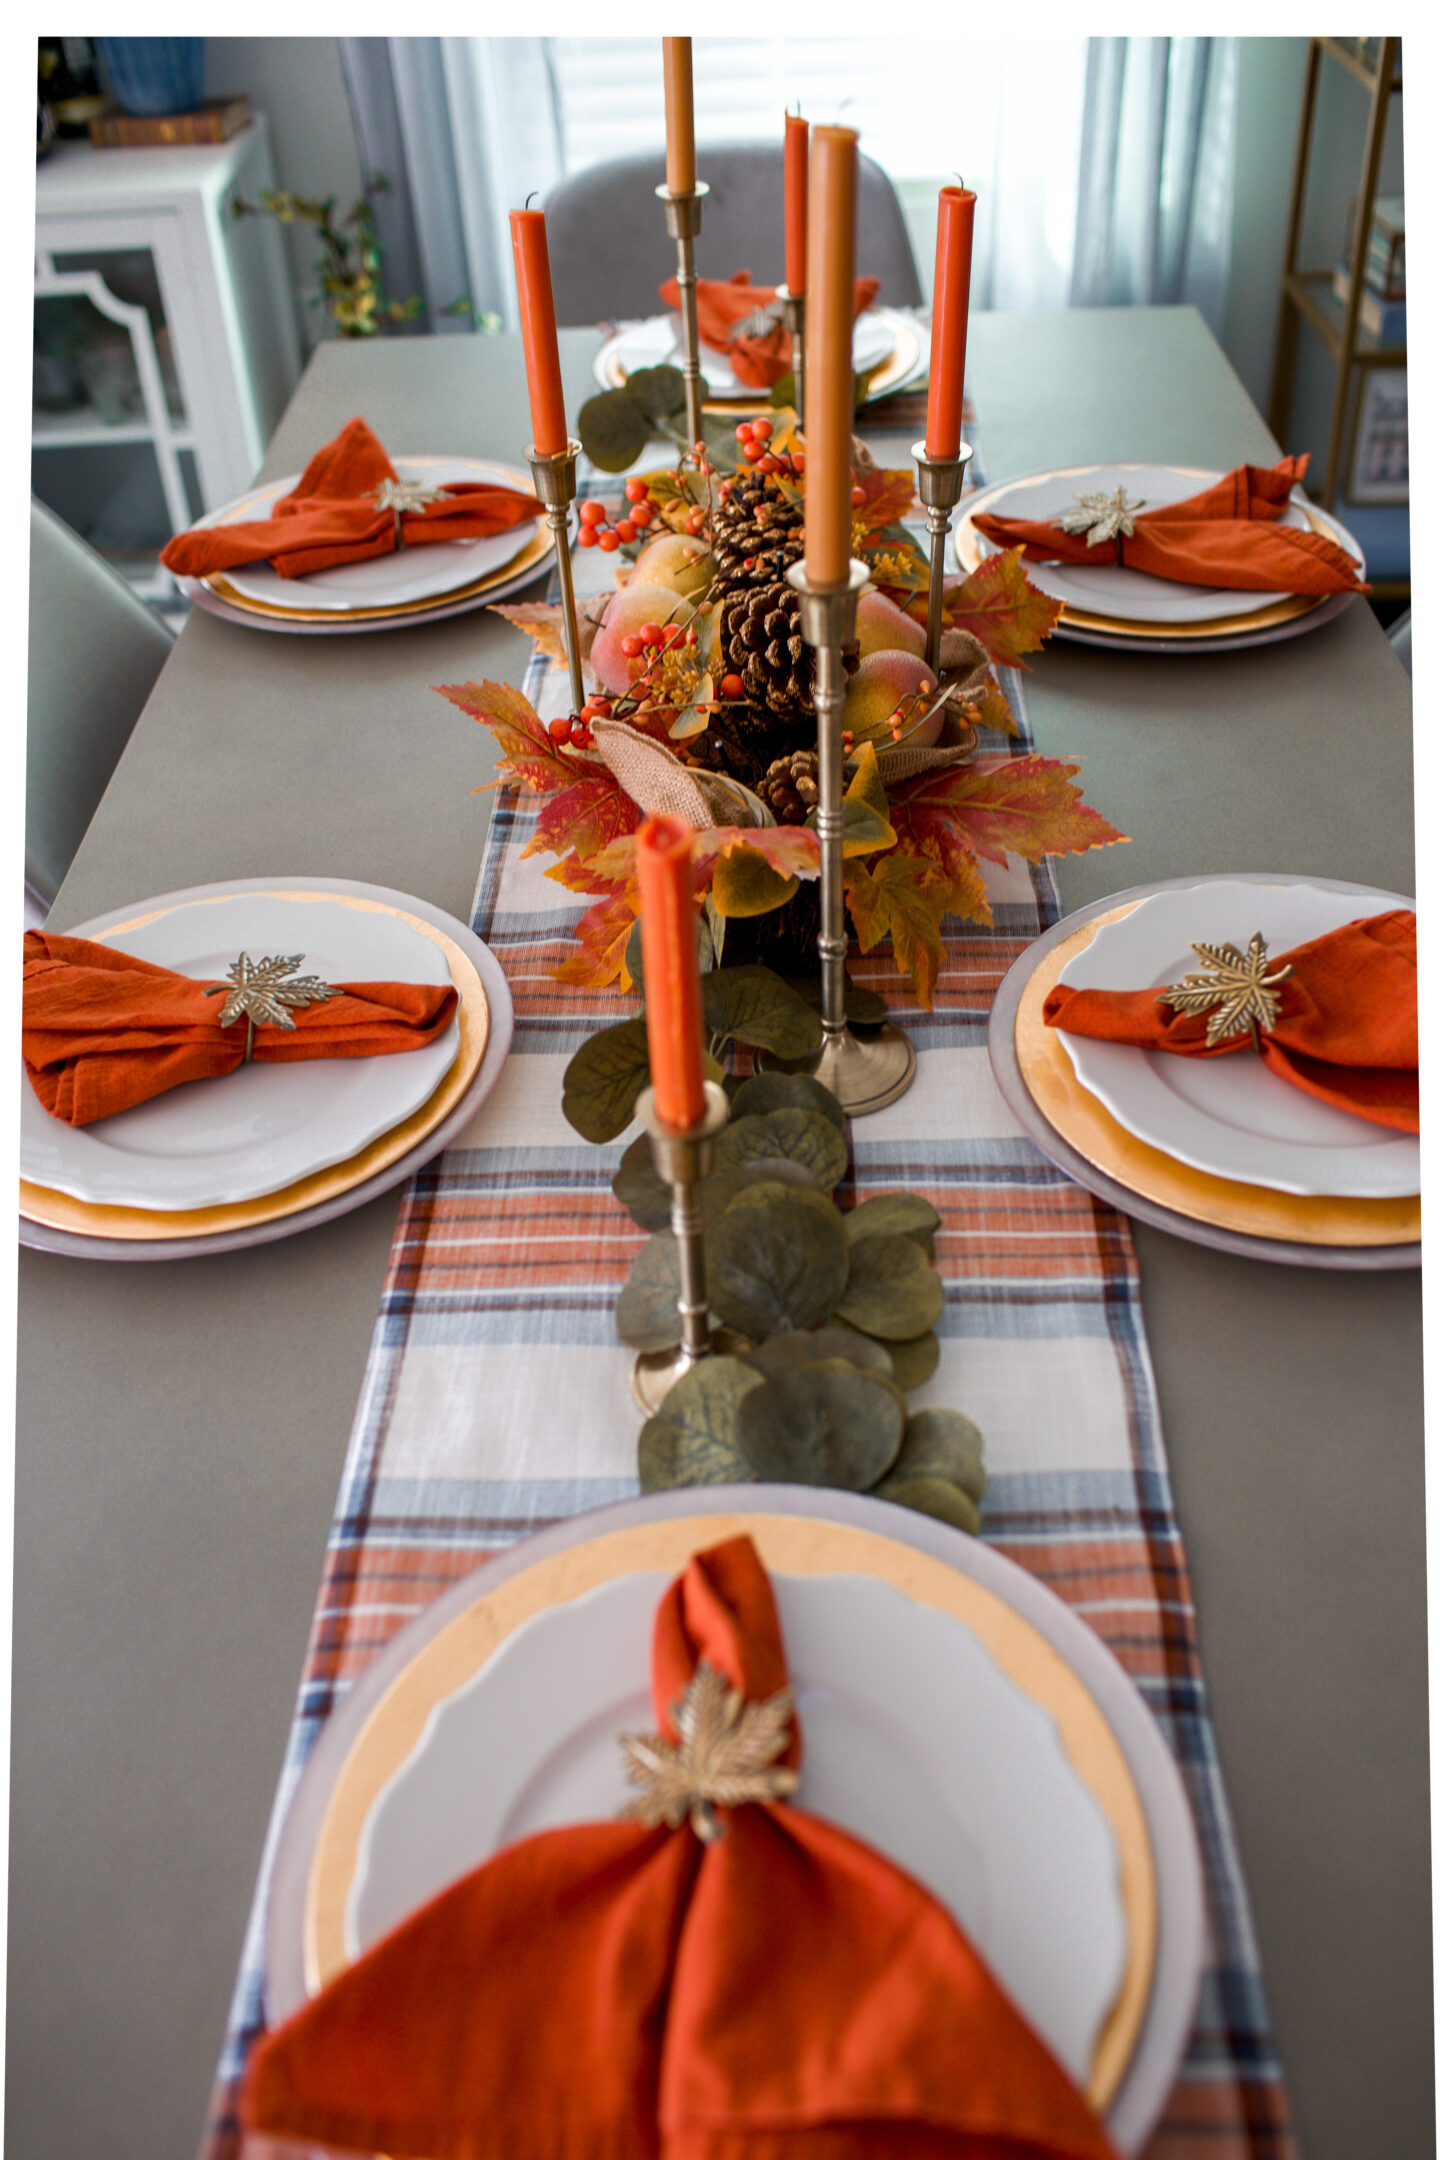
x=1234, y=988
x=998, y=604
x=586, y=817
x=905, y=896
x=992, y=708
x=790, y=850
x=577, y=876
x=727, y=1755
x=889, y=494
x=527, y=753
x=603, y=932
x=542, y=620
x=867, y=808
x=1024, y=806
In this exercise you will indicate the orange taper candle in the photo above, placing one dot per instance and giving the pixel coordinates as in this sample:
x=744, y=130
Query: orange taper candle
x=797, y=191
x=829, y=374
x=669, y=954
x=537, y=328
x=679, y=117
x=950, y=320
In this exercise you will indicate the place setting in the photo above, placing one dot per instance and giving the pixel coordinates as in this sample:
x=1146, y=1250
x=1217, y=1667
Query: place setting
x=1234, y=1059
x=219, y=1067
x=1170, y=559
x=361, y=541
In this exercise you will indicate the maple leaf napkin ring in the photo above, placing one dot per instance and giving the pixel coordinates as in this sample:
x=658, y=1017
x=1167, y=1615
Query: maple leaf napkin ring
x=1234, y=988
x=1103, y=517
x=260, y=991
x=726, y=1755
x=403, y=495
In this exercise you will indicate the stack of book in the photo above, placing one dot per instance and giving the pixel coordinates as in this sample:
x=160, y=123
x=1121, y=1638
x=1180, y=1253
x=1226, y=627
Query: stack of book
x=1382, y=298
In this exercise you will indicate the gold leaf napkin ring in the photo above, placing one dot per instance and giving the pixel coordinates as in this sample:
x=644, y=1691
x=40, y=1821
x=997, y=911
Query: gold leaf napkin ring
x=259, y=991
x=726, y=1756
x=1103, y=517
x=1234, y=988
x=403, y=495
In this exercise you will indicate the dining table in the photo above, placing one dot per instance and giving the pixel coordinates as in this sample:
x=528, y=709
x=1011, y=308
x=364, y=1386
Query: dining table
x=182, y=1424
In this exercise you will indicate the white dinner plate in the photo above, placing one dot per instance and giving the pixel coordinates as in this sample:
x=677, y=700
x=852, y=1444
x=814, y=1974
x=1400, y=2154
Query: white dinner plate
x=656, y=343
x=406, y=575
x=1110, y=589
x=1231, y=1116
x=915, y=1738
x=261, y=1127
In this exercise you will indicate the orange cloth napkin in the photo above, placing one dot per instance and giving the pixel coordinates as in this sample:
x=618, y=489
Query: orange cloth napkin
x=331, y=517
x=1226, y=536
x=1348, y=1030
x=720, y=303
x=609, y=1992
x=102, y=1031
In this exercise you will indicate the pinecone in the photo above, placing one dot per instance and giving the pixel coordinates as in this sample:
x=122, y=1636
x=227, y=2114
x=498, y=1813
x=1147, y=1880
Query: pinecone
x=737, y=744
x=763, y=646
x=792, y=786
x=755, y=535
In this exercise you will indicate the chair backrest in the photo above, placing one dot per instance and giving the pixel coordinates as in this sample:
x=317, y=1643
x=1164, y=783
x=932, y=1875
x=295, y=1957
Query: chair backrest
x=610, y=252
x=1399, y=635
x=95, y=651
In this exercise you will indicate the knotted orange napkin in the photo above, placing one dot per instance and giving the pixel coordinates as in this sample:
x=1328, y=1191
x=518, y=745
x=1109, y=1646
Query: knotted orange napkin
x=720, y=303
x=102, y=1031
x=1348, y=1029
x=333, y=516
x=1227, y=535
x=611, y=1992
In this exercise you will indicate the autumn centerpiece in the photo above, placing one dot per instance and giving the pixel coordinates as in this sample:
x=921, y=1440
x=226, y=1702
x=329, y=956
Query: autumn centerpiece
x=703, y=708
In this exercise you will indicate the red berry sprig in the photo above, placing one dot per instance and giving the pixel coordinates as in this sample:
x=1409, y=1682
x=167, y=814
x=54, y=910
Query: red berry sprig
x=753, y=437
x=597, y=530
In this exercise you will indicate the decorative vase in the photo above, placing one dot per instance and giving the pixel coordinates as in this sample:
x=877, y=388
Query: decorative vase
x=154, y=75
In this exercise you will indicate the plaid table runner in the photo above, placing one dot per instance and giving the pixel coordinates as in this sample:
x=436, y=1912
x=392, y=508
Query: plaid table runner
x=513, y=1240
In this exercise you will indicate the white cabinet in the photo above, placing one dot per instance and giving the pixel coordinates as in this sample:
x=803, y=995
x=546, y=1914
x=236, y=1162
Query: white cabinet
x=165, y=339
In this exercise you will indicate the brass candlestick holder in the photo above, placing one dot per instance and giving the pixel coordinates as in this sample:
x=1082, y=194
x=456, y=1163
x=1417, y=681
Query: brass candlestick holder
x=792, y=306
x=941, y=480
x=682, y=222
x=554, y=475
x=683, y=1159
x=864, y=1074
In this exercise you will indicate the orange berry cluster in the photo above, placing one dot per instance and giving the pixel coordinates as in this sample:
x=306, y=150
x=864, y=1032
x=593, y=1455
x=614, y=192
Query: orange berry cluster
x=597, y=530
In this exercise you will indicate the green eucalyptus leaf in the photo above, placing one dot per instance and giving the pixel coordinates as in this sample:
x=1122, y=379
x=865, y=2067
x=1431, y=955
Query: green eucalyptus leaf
x=691, y=1439
x=941, y=1443
x=754, y=1006
x=863, y=1007
x=647, y=1313
x=894, y=1214
x=775, y=1261
x=658, y=391
x=645, y=1196
x=712, y=925
x=778, y=1182
x=892, y=1290
x=819, y=1346
x=932, y=1496
x=635, y=958
x=764, y=1092
x=613, y=429
x=823, y=1424
x=718, y=430
x=806, y=1137
x=916, y=1360
x=604, y=1079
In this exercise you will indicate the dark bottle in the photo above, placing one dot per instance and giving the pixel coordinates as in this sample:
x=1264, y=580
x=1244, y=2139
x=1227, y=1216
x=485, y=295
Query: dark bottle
x=70, y=83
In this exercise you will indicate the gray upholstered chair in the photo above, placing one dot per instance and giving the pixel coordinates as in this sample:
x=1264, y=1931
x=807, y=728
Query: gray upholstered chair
x=95, y=651
x=610, y=252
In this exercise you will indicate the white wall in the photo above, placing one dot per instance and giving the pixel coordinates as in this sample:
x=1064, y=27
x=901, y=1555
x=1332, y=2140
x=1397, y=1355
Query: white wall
x=297, y=83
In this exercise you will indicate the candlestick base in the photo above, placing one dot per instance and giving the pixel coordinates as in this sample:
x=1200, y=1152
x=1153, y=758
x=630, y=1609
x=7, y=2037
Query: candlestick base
x=682, y=222
x=940, y=483
x=683, y=1158
x=554, y=475
x=863, y=1073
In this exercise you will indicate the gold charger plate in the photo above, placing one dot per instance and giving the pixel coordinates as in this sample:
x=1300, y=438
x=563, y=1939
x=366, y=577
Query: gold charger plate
x=789, y=1545
x=61, y=1211
x=526, y=562
x=969, y=555
x=1082, y=1120
x=902, y=358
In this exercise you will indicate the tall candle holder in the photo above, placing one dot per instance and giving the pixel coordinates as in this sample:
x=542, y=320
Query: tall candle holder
x=865, y=1074
x=554, y=475
x=792, y=307
x=941, y=482
x=683, y=1159
x=682, y=222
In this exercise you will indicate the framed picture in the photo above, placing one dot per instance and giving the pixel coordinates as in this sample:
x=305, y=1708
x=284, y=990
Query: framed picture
x=1380, y=462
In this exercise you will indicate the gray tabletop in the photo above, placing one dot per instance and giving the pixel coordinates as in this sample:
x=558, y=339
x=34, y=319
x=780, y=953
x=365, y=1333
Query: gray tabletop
x=182, y=1425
